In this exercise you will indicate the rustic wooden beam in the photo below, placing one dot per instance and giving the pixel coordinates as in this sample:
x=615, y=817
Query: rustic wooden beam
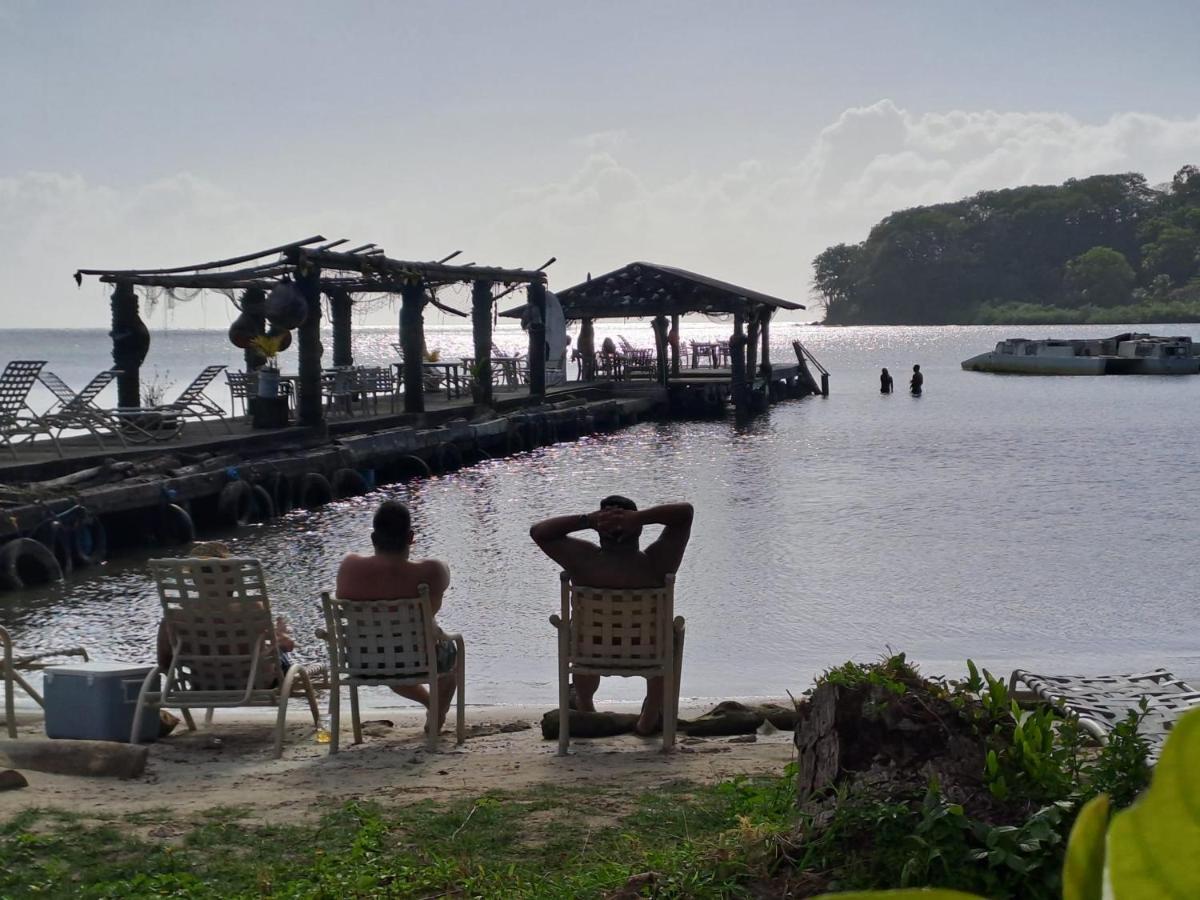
x=252, y=304
x=481, y=330
x=737, y=362
x=216, y=264
x=309, y=404
x=412, y=342
x=343, y=336
x=586, y=345
x=675, y=345
x=766, y=342
x=130, y=343
x=536, y=297
x=430, y=273
x=752, y=347
x=660, y=348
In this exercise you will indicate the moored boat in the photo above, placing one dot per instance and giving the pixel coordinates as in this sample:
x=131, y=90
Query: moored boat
x=1123, y=354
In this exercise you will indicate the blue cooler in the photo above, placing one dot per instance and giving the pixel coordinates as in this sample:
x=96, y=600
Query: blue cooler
x=95, y=701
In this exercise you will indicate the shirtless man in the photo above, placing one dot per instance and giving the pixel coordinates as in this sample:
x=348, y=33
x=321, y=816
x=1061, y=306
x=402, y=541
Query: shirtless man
x=389, y=574
x=618, y=563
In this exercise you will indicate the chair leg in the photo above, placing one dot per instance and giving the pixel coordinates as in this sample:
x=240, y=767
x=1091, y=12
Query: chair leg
x=564, y=711
x=208, y=717
x=354, y=720
x=311, y=695
x=335, y=713
x=140, y=707
x=285, y=693
x=461, y=689
x=431, y=718
x=679, y=636
x=10, y=715
x=187, y=717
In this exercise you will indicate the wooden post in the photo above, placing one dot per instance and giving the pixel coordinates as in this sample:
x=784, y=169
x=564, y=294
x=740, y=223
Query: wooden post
x=675, y=345
x=130, y=343
x=412, y=342
x=752, y=348
x=536, y=294
x=660, y=348
x=766, y=342
x=737, y=362
x=253, y=303
x=586, y=345
x=343, y=333
x=481, y=329
x=309, y=404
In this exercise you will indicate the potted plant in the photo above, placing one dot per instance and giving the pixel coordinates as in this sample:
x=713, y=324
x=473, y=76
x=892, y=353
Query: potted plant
x=268, y=376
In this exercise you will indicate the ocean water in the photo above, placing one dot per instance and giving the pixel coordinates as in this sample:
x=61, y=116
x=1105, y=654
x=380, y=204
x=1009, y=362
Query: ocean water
x=1047, y=523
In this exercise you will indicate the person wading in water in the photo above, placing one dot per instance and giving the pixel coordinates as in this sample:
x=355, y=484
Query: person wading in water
x=885, y=382
x=916, y=382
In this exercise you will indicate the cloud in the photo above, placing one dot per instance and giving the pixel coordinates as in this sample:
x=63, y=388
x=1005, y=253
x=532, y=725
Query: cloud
x=758, y=222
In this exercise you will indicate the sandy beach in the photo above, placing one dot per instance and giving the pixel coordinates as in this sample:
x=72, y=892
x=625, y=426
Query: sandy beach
x=231, y=765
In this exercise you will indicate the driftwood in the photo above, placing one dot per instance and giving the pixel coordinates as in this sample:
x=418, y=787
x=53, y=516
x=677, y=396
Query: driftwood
x=103, y=759
x=725, y=718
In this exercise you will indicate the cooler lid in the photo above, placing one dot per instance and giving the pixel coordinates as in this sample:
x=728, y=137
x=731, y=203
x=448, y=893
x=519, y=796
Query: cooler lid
x=115, y=669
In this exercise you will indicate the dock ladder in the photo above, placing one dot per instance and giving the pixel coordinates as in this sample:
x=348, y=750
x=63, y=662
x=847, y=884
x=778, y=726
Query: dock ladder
x=804, y=357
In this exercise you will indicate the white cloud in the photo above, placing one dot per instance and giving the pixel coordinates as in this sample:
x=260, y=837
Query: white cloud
x=758, y=222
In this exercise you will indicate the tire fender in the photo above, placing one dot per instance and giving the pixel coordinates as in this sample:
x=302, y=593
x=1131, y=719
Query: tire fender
x=25, y=562
x=235, y=504
x=56, y=537
x=89, y=540
x=348, y=483
x=314, y=491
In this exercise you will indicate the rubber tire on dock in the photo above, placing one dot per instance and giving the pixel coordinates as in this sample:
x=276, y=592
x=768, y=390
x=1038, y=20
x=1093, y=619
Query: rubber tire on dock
x=235, y=504
x=89, y=539
x=447, y=458
x=314, y=491
x=175, y=526
x=262, y=507
x=515, y=441
x=280, y=487
x=25, y=562
x=348, y=483
x=56, y=537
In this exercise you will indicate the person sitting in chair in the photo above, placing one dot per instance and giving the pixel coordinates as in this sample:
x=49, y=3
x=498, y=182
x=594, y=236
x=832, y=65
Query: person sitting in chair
x=389, y=574
x=618, y=563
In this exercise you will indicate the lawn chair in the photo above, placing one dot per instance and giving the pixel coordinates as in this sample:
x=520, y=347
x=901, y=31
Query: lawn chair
x=626, y=347
x=223, y=650
x=10, y=666
x=79, y=410
x=627, y=632
x=374, y=381
x=190, y=404
x=1100, y=702
x=16, y=417
x=385, y=643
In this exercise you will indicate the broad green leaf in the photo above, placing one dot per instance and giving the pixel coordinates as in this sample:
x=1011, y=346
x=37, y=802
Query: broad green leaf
x=1083, y=869
x=903, y=894
x=1152, y=845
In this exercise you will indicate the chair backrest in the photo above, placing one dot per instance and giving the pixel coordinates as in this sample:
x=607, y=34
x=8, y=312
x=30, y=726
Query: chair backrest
x=630, y=628
x=199, y=383
x=60, y=389
x=217, y=610
x=239, y=384
x=382, y=639
x=93, y=388
x=16, y=380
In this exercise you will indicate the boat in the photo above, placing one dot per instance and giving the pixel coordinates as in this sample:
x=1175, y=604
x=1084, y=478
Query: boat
x=1122, y=354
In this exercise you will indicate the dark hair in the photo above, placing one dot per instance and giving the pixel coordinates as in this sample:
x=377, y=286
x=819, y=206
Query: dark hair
x=392, y=526
x=619, y=502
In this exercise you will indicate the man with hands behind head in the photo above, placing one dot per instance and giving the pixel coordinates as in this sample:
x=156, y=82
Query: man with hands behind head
x=618, y=563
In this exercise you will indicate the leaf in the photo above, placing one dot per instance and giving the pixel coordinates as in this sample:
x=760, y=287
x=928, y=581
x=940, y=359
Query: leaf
x=1083, y=868
x=903, y=894
x=1152, y=845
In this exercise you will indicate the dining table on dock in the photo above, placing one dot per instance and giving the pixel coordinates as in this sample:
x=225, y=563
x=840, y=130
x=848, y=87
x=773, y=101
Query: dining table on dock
x=450, y=375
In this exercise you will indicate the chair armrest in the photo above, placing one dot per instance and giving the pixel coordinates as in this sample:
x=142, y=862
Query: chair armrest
x=556, y=621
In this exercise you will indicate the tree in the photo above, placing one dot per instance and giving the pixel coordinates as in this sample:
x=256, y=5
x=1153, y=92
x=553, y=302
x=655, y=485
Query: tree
x=1100, y=277
x=1175, y=253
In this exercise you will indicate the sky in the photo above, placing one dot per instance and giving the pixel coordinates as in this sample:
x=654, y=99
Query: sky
x=738, y=139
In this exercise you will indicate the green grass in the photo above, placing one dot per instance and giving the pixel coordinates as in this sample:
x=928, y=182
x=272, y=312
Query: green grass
x=550, y=842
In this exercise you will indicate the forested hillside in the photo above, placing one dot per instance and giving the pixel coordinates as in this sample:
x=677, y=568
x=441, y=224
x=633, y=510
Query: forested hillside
x=1109, y=248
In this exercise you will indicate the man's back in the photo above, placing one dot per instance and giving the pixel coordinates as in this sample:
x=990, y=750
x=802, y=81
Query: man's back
x=389, y=577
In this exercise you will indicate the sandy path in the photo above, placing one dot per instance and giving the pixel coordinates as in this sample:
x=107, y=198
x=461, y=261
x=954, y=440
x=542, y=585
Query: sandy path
x=232, y=765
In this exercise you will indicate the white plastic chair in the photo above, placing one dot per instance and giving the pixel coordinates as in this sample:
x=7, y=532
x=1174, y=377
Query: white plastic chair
x=619, y=632
x=223, y=650
x=386, y=643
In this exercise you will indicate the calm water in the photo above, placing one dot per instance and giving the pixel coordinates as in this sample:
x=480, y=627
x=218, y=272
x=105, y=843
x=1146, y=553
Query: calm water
x=1042, y=522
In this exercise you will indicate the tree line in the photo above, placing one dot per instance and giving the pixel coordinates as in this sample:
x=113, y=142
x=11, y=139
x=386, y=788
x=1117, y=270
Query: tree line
x=1109, y=248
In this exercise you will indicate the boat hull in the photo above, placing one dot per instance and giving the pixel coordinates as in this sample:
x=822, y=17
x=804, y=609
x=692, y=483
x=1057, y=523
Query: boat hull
x=1036, y=365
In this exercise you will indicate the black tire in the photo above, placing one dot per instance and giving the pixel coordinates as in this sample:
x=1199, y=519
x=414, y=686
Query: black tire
x=261, y=505
x=89, y=540
x=280, y=487
x=314, y=491
x=56, y=537
x=449, y=457
x=514, y=441
x=175, y=526
x=25, y=562
x=348, y=483
x=235, y=504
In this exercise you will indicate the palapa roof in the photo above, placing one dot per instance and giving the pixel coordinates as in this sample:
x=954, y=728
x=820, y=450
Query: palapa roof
x=362, y=269
x=643, y=289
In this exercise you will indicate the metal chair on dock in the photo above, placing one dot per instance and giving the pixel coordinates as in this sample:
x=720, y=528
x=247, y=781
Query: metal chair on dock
x=632, y=632
x=79, y=410
x=166, y=420
x=17, y=419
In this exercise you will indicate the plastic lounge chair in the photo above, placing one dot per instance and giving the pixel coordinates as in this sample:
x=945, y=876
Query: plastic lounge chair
x=190, y=404
x=16, y=418
x=10, y=667
x=1100, y=702
x=79, y=410
x=627, y=632
x=386, y=642
x=223, y=651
